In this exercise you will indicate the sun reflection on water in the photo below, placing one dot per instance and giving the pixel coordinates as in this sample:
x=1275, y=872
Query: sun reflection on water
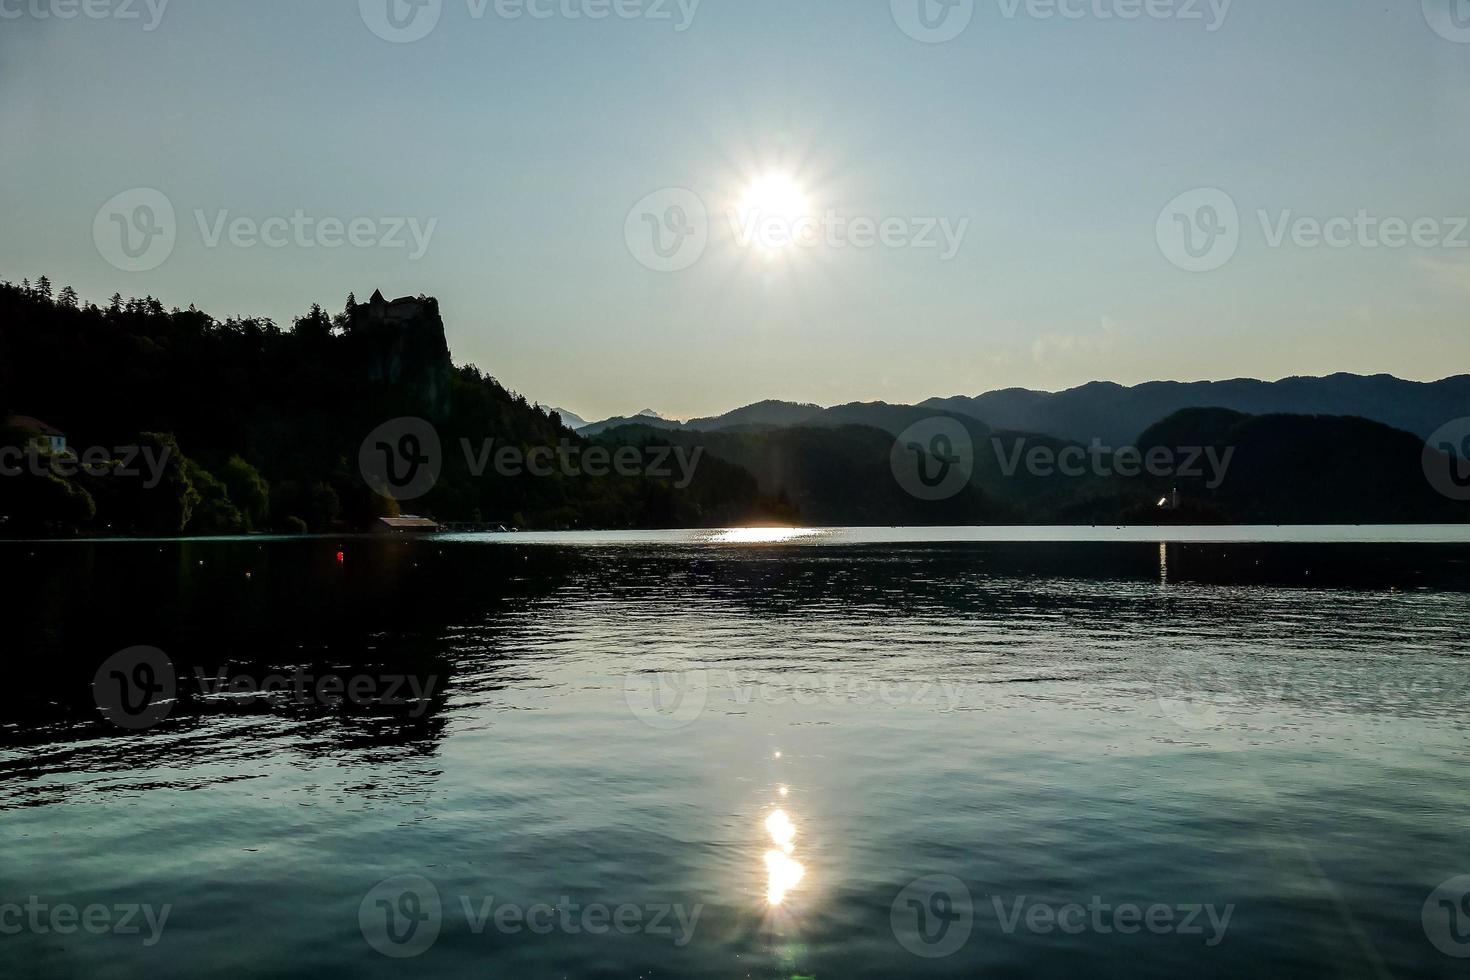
x=782, y=830
x=783, y=872
x=762, y=535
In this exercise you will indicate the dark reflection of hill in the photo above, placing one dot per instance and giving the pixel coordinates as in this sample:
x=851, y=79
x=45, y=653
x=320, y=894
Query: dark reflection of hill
x=284, y=610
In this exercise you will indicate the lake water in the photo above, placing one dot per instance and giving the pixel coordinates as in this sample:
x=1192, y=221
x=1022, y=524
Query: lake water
x=701, y=754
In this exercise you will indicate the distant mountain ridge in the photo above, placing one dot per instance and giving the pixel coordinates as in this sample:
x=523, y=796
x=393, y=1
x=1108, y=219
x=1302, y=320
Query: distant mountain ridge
x=770, y=412
x=1118, y=415
x=653, y=421
x=646, y=417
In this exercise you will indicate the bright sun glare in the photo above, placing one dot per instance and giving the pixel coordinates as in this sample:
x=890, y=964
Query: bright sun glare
x=762, y=535
x=782, y=872
x=772, y=206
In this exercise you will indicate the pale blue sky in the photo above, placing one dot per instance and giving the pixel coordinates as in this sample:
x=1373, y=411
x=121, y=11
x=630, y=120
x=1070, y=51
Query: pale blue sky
x=1060, y=140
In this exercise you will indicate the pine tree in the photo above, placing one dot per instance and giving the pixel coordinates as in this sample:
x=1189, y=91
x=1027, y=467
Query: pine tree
x=43, y=288
x=342, y=322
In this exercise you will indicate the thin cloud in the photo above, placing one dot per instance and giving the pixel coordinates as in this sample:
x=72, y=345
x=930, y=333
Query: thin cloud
x=1456, y=275
x=1052, y=348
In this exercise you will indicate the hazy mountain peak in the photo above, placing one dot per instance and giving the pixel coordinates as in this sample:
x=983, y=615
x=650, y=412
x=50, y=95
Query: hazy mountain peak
x=570, y=419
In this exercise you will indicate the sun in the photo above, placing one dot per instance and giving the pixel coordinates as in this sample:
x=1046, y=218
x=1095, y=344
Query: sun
x=773, y=211
x=774, y=195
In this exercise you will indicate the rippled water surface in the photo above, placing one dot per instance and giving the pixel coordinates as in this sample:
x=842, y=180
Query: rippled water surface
x=737, y=755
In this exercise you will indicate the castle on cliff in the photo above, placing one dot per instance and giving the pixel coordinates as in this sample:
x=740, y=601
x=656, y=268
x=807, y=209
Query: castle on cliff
x=401, y=310
x=403, y=342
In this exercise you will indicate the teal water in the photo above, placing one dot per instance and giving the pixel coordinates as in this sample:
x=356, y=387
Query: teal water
x=735, y=756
